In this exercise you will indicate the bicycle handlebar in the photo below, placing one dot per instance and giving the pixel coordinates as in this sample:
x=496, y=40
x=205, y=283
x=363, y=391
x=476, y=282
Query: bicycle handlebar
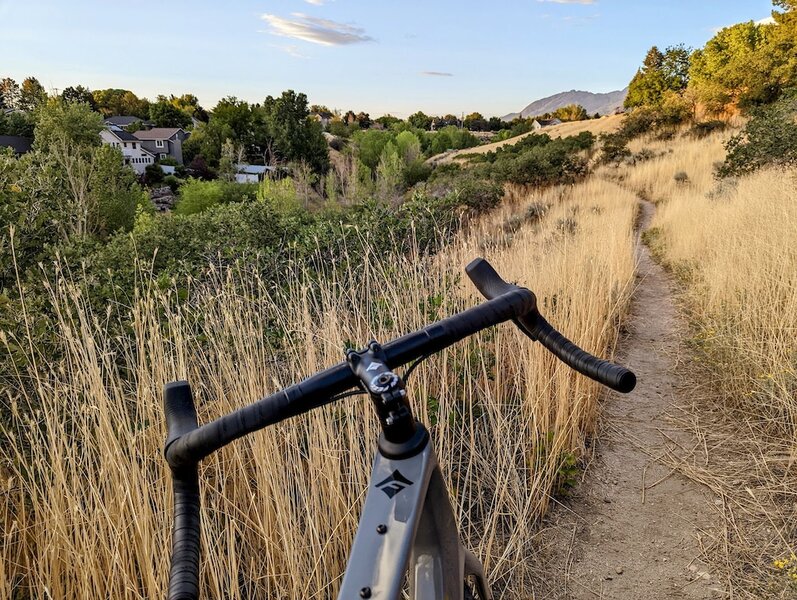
x=187, y=443
x=533, y=324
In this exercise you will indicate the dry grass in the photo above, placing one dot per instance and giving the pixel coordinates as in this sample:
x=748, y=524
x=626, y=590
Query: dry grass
x=86, y=500
x=733, y=246
x=608, y=124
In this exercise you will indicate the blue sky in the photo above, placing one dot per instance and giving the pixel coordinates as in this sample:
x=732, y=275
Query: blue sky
x=379, y=56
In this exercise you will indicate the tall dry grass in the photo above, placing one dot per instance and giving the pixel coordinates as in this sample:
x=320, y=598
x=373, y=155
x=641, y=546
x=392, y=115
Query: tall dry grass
x=733, y=244
x=86, y=498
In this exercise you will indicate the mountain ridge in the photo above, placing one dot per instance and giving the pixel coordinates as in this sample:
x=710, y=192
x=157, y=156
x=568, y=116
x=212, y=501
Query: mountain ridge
x=604, y=104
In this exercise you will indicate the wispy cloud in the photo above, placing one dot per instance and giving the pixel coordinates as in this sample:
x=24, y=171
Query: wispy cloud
x=436, y=74
x=767, y=21
x=570, y=1
x=315, y=2
x=290, y=49
x=318, y=31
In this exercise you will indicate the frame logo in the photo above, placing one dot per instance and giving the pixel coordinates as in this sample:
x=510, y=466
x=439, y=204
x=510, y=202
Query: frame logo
x=393, y=484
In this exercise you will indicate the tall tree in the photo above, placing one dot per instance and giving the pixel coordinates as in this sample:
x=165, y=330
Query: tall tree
x=31, y=94
x=295, y=136
x=165, y=114
x=112, y=102
x=734, y=67
x=9, y=93
x=79, y=94
x=419, y=120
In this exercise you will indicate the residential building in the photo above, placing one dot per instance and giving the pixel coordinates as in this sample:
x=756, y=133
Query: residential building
x=20, y=145
x=538, y=124
x=131, y=148
x=163, y=142
x=121, y=121
x=251, y=173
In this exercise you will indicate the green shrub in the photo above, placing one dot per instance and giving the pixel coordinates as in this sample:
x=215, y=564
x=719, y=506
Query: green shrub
x=768, y=139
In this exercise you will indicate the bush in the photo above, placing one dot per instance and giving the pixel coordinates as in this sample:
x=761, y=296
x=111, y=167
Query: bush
x=704, y=129
x=769, y=138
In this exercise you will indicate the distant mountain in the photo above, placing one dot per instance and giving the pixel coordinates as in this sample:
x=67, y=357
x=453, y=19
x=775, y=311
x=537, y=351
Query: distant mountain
x=604, y=104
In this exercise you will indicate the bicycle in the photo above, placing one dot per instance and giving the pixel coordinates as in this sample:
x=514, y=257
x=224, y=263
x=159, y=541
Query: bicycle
x=407, y=523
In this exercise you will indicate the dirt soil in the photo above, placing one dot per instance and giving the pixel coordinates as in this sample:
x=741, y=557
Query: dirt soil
x=632, y=528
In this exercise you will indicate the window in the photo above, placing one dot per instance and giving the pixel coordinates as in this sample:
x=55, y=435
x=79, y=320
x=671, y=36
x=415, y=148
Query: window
x=125, y=144
x=159, y=143
x=134, y=145
x=162, y=155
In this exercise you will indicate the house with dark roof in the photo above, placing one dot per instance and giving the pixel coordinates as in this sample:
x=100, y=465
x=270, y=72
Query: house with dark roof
x=124, y=121
x=163, y=142
x=538, y=124
x=131, y=148
x=20, y=145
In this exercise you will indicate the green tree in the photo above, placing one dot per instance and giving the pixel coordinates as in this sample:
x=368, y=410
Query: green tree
x=31, y=94
x=64, y=124
x=475, y=122
x=420, y=120
x=115, y=192
x=295, y=136
x=387, y=121
x=112, y=102
x=79, y=94
x=164, y=113
x=733, y=67
x=369, y=145
x=9, y=93
x=571, y=112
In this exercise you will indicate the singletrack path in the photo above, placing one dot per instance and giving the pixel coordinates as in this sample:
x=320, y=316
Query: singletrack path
x=632, y=528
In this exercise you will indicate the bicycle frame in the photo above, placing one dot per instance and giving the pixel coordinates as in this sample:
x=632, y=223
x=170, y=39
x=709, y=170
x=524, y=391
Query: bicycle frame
x=407, y=525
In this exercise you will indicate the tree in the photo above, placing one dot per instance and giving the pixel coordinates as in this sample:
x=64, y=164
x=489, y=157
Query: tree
x=9, y=93
x=79, y=94
x=571, y=112
x=165, y=114
x=475, y=122
x=363, y=120
x=495, y=124
x=16, y=123
x=112, y=102
x=31, y=94
x=60, y=123
x=420, y=120
x=295, y=136
x=387, y=121
x=189, y=104
x=369, y=144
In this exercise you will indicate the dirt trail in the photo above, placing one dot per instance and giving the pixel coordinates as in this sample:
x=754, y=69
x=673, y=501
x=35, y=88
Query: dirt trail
x=631, y=530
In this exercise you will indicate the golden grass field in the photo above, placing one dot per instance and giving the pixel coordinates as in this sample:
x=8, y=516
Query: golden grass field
x=733, y=246
x=85, y=506
x=86, y=498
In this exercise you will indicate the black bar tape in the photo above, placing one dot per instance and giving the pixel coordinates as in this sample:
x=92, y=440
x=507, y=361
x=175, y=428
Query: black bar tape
x=609, y=374
x=184, y=572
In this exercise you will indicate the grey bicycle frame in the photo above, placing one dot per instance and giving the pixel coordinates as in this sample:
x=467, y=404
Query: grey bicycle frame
x=407, y=526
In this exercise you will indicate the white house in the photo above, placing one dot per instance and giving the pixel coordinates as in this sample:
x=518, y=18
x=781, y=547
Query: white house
x=538, y=124
x=251, y=173
x=134, y=153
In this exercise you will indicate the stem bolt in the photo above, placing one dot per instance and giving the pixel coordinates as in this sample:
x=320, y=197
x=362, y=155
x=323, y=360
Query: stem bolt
x=365, y=592
x=381, y=529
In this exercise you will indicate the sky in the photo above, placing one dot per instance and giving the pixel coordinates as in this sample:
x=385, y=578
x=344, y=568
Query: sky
x=379, y=56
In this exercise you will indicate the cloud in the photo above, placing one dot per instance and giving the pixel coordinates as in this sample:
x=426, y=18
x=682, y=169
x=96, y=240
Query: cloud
x=436, y=74
x=289, y=49
x=315, y=2
x=570, y=1
x=767, y=21
x=315, y=30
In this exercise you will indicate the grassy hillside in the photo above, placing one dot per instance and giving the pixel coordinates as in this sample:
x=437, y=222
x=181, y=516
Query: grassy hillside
x=608, y=124
x=86, y=507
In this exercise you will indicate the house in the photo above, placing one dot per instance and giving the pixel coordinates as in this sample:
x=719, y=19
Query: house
x=251, y=173
x=538, y=124
x=163, y=142
x=124, y=121
x=20, y=145
x=131, y=148
x=323, y=117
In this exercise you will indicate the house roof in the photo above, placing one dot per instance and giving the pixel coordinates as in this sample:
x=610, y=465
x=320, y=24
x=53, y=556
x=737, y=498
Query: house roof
x=124, y=135
x=20, y=144
x=546, y=122
x=252, y=169
x=122, y=121
x=157, y=133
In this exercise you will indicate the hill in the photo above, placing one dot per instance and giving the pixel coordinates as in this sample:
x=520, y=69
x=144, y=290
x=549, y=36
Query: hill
x=604, y=104
x=608, y=124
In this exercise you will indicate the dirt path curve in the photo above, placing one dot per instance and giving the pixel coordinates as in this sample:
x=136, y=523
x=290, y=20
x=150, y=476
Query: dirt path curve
x=631, y=530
